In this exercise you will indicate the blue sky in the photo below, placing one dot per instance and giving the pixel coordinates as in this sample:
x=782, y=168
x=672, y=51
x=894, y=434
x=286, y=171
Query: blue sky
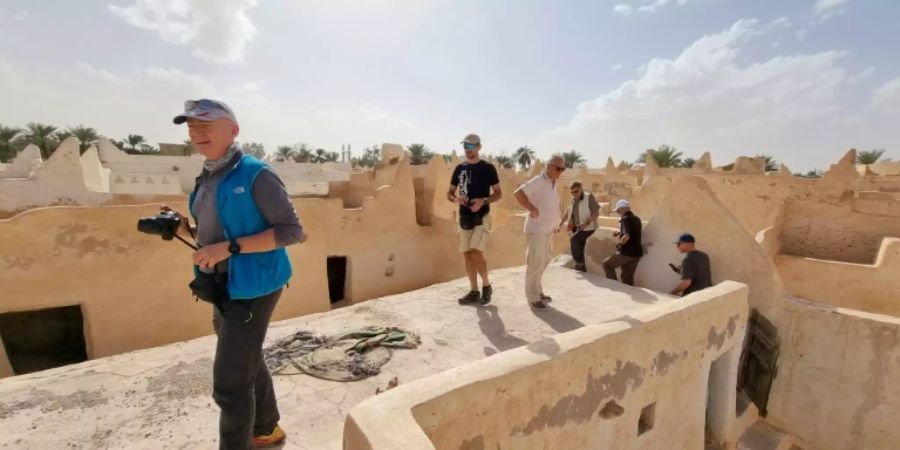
x=803, y=80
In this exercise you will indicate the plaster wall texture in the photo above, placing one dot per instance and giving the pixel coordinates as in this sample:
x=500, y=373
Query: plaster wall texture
x=581, y=389
x=23, y=164
x=883, y=168
x=870, y=288
x=836, y=386
x=58, y=181
x=848, y=229
x=144, y=184
x=96, y=177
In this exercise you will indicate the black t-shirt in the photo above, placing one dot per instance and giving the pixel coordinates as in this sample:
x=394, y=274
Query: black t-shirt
x=630, y=224
x=695, y=267
x=475, y=181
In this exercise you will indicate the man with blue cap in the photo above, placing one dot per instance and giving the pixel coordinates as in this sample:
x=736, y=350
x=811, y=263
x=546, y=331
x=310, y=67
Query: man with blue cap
x=695, y=271
x=244, y=220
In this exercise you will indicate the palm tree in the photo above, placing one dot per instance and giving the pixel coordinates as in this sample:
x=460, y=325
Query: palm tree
x=418, y=154
x=134, y=140
x=255, y=149
x=303, y=153
x=688, y=163
x=88, y=136
x=572, y=158
x=320, y=156
x=869, y=156
x=284, y=153
x=7, y=138
x=665, y=156
x=524, y=156
x=41, y=135
x=771, y=164
x=625, y=165
x=505, y=162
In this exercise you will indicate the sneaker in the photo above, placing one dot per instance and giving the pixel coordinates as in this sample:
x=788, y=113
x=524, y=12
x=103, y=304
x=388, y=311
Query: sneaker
x=546, y=298
x=471, y=297
x=273, y=439
x=486, y=293
x=580, y=267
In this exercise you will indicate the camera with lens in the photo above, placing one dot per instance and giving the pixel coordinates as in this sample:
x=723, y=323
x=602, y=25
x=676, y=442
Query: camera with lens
x=164, y=224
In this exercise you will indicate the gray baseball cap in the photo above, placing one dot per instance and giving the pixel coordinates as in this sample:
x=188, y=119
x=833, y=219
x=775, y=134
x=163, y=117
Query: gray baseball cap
x=472, y=139
x=206, y=110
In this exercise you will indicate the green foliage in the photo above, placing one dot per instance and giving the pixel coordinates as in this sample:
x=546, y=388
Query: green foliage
x=8, y=140
x=869, y=156
x=573, y=158
x=687, y=163
x=284, y=153
x=256, y=149
x=86, y=135
x=418, y=154
x=771, y=164
x=303, y=153
x=505, y=161
x=524, y=156
x=664, y=156
x=42, y=136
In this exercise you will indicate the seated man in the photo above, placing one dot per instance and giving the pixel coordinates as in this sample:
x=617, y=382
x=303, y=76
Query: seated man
x=582, y=218
x=695, y=270
x=629, y=249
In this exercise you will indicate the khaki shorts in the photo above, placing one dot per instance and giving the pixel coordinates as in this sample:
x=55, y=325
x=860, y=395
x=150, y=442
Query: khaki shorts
x=476, y=238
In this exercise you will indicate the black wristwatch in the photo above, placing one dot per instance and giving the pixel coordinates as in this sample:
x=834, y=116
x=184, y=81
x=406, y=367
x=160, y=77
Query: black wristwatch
x=234, y=248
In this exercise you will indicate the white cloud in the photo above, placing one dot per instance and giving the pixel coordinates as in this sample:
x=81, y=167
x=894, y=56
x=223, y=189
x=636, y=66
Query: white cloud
x=828, y=8
x=102, y=75
x=887, y=97
x=218, y=30
x=626, y=9
x=617, y=67
x=863, y=75
x=623, y=9
x=704, y=99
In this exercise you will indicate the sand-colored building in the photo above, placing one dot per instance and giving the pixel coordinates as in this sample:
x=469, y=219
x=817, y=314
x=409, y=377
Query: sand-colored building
x=795, y=346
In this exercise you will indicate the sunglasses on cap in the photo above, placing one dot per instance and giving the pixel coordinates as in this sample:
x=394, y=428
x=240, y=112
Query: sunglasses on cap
x=203, y=104
x=469, y=146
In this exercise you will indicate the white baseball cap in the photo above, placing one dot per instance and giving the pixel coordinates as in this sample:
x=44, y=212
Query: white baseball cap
x=622, y=203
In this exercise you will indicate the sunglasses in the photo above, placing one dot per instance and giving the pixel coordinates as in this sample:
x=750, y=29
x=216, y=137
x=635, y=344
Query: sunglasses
x=575, y=192
x=558, y=168
x=203, y=105
x=468, y=146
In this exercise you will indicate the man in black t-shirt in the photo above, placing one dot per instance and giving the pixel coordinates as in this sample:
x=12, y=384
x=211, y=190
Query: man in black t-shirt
x=629, y=245
x=695, y=269
x=478, y=186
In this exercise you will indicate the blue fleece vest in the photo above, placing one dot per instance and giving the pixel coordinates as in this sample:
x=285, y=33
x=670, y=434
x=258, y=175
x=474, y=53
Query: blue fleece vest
x=250, y=275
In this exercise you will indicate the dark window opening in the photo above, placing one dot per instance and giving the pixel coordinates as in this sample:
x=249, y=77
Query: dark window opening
x=43, y=339
x=645, y=422
x=337, y=278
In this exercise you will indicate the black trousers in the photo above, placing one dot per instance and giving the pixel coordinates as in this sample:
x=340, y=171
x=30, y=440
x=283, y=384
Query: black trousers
x=242, y=385
x=577, y=243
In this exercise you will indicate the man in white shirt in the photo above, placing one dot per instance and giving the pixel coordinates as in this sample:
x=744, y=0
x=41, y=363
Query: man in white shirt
x=539, y=196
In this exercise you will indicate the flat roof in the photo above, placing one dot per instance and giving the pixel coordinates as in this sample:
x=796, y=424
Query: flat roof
x=161, y=397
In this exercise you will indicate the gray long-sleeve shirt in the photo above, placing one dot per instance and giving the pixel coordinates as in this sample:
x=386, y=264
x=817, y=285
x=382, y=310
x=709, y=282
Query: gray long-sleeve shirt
x=270, y=196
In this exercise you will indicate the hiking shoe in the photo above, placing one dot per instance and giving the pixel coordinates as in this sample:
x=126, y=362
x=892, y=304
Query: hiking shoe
x=486, y=293
x=273, y=439
x=538, y=304
x=546, y=298
x=580, y=267
x=471, y=297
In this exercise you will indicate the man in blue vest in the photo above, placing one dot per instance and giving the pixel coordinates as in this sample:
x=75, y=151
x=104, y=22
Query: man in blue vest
x=244, y=219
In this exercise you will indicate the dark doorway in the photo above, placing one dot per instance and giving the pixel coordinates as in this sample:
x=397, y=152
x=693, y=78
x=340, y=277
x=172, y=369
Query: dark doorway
x=43, y=339
x=337, y=278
